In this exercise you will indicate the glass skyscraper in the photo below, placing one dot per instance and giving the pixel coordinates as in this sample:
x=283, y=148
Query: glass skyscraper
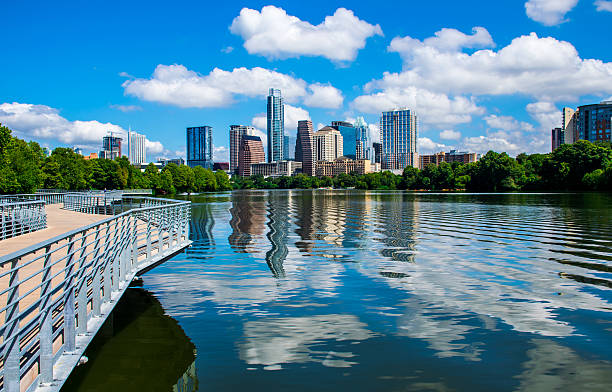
x=595, y=122
x=362, y=146
x=276, y=126
x=200, y=147
x=349, y=138
x=398, y=134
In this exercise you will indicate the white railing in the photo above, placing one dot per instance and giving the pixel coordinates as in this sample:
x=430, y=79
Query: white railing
x=21, y=217
x=54, y=296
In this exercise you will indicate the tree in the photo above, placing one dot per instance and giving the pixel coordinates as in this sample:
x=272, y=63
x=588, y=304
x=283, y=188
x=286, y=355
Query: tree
x=223, y=181
x=497, y=172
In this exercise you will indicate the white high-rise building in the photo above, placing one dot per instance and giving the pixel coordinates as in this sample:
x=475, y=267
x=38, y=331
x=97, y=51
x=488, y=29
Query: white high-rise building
x=137, y=148
x=328, y=144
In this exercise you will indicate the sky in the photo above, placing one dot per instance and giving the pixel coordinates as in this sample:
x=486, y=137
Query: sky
x=479, y=75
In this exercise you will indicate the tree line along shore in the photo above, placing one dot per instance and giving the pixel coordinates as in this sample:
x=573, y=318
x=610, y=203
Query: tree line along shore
x=582, y=166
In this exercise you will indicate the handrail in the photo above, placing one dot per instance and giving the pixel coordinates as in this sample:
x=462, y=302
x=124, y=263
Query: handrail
x=56, y=294
x=19, y=217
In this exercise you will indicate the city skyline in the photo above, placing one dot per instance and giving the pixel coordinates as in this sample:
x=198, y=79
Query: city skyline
x=539, y=59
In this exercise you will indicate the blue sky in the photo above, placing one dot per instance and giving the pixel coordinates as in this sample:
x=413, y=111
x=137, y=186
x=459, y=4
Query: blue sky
x=480, y=75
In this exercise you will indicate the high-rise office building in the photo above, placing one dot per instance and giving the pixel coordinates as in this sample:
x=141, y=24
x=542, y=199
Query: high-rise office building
x=569, y=125
x=137, y=148
x=304, y=147
x=398, y=134
x=377, y=147
x=111, y=147
x=251, y=151
x=276, y=125
x=285, y=148
x=327, y=144
x=349, y=138
x=594, y=122
x=200, y=147
x=557, y=137
x=237, y=132
x=362, y=144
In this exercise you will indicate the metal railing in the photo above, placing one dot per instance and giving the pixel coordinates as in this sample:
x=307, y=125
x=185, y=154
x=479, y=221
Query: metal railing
x=49, y=198
x=21, y=217
x=54, y=296
x=92, y=202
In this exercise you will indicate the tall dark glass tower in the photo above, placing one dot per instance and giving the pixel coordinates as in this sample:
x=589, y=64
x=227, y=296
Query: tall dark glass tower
x=276, y=126
x=200, y=147
x=349, y=138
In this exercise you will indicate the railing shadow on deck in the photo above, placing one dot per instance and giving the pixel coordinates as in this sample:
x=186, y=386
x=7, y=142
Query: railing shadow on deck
x=54, y=296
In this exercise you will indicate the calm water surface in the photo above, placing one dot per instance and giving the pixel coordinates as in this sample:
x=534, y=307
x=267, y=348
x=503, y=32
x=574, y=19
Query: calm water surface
x=390, y=291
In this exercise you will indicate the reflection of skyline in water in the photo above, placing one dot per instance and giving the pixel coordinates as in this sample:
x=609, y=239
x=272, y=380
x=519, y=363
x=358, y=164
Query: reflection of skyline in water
x=446, y=270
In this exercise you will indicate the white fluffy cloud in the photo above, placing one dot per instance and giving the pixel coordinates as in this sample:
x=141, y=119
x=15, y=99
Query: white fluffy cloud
x=179, y=86
x=428, y=146
x=44, y=122
x=324, y=96
x=545, y=113
x=544, y=68
x=445, y=40
x=273, y=33
x=603, y=5
x=549, y=12
x=220, y=154
x=496, y=142
x=431, y=108
x=449, y=134
x=507, y=123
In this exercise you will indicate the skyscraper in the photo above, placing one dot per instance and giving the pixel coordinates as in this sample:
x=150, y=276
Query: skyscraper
x=304, y=151
x=327, y=144
x=377, y=147
x=200, y=147
x=569, y=125
x=237, y=132
x=251, y=151
x=276, y=126
x=557, y=138
x=398, y=134
x=137, y=149
x=285, y=147
x=362, y=144
x=349, y=137
x=111, y=147
x=594, y=122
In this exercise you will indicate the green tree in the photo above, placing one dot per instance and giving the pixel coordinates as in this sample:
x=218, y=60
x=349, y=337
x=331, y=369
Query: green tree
x=223, y=181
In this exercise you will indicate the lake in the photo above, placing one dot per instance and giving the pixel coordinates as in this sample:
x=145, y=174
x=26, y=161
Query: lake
x=374, y=291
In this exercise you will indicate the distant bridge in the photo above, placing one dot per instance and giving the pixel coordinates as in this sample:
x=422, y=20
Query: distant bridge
x=55, y=293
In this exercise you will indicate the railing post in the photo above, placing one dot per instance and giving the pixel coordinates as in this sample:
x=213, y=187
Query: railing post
x=96, y=287
x=46, y=323
x=12, y=356
x=148, y=238
x=134, y=236
x=69, y=305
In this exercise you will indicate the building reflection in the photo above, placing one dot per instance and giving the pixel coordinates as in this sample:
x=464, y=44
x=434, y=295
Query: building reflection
x=247, y=221
x=397, y=218
x=304, y=220
x=278, y=224
x=200, y=231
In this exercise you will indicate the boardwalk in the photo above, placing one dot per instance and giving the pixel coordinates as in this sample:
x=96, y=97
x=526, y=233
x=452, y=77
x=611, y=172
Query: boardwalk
x=58, y=285
x=59, y=221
